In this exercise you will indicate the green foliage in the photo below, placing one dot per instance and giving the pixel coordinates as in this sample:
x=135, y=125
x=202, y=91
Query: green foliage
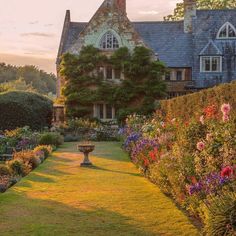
x=190, y=106
x=18, y=167
x=18, y=109
x=201, y=4
x=85, y=84
x=4, y=170
x=53, y=139
x=220, y=217
x=27, y=78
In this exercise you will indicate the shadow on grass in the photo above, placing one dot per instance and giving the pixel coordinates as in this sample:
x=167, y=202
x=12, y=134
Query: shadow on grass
x=47, y=217
x=106, y=150
x=114, y=171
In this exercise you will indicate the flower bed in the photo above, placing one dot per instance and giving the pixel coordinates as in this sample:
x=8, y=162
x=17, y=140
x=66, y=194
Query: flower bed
x=193, y=161
x=84, y=129
x=28, y=150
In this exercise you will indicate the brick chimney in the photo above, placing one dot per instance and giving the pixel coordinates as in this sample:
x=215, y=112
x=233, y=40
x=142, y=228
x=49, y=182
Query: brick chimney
x=121, y=5
x=190, y=8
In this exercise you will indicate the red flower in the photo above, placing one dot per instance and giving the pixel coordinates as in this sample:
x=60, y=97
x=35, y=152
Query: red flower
x=146, y=162
x=227, y=172
x=153, y=154
x=210, y=111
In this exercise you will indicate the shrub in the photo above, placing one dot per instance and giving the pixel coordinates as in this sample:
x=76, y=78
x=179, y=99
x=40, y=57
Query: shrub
x=4, y=170
x=18, y=109
x=28, y=157
x=18, y=167
x=220, y=215
x=189, y=106
x=47, y=150
x=4, y=183
x=51, y=138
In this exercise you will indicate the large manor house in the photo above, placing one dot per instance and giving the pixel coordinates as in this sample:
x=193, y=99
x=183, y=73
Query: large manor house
x=199, y=50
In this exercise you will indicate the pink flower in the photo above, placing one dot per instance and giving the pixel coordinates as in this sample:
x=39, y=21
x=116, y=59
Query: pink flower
x=225, y=118
x=225, y=108
x=202, y=120
x=201, y=146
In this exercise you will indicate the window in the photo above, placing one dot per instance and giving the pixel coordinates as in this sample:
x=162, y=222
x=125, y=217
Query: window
x=117, y=74
x=109, y=73
x=112, y=74
x=104, y=111
x=227, y=31
x=211, y=64
x=108, y=112
x=109, y=42
x=167, y=76
x=179, y=75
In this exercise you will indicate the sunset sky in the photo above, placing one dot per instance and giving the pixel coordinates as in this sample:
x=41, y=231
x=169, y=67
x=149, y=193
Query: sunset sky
x=30, y=29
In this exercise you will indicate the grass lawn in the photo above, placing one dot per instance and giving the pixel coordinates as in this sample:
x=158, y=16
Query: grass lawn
x=111, y=199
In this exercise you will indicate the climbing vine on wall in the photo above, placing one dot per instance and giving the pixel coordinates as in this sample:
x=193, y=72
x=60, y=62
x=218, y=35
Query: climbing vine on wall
x=85, y=84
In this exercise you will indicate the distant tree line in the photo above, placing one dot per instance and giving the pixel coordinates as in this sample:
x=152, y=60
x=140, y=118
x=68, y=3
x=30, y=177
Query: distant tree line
x=27, y=78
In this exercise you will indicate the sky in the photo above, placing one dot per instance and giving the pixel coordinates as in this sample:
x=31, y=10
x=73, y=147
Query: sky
x=30, y=30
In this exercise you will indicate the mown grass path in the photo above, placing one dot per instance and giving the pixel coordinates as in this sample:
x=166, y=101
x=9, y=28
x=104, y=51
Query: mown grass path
x=111, y=199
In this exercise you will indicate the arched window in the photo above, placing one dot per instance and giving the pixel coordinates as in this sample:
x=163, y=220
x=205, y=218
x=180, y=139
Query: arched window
x=109, y=42
x=227, y=31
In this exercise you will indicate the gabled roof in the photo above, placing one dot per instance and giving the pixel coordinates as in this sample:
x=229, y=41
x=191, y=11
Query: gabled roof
x=73, y=34
x=210, y=49
x=168, y=40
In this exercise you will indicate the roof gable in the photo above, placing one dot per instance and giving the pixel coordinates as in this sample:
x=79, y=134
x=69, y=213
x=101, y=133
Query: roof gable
x=108, y=17
x=210, y=49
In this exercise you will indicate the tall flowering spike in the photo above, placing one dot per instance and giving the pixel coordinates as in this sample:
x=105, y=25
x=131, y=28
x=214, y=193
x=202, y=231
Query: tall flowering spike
x=225, y=117
x=225, y=108
x=202, y=120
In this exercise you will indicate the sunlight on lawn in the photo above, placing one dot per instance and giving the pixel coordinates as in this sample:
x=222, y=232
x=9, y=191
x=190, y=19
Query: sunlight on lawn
x=110, y=199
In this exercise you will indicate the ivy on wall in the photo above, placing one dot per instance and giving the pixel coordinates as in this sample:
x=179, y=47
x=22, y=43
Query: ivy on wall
x=84, y=86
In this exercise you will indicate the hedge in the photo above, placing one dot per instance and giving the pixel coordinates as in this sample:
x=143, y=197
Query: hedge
x=192, y=105
x=18, y=109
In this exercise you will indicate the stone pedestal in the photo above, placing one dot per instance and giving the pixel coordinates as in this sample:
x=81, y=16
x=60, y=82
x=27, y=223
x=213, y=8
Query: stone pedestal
x=86, y=149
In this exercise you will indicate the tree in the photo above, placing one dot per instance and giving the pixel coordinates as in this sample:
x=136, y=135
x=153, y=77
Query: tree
x=16, y=85
x=28, y=77
x=201, y=4
x=86, y=86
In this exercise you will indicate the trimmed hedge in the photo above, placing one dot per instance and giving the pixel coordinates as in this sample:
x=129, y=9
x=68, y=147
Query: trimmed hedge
x=19, y=109
x=192, y=105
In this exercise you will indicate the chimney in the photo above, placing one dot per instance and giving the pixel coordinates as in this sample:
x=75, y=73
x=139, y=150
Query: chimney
x=67, y=18
x=190, y=8
x=121, y=5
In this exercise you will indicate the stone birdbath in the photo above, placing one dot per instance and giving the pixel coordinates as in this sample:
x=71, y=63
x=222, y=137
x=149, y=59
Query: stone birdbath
x=86, y=148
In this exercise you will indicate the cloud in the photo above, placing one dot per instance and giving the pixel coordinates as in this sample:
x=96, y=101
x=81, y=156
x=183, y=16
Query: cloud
x=149, y=12
x=48, y=25
x=33, y=22
x=37, y=34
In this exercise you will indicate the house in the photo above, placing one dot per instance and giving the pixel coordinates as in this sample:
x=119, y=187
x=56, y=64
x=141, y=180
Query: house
x=200, y=51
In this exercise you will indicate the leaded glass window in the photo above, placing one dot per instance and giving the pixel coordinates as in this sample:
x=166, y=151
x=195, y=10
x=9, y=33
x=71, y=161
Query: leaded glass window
x=227, y=31
x=109, y=42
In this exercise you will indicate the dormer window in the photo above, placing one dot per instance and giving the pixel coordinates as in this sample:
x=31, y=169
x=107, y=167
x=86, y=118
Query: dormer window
x=227, y=31
x=109, y=42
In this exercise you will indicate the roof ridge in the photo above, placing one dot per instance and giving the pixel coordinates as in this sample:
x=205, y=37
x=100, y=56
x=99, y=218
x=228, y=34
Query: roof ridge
x=164, y=22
